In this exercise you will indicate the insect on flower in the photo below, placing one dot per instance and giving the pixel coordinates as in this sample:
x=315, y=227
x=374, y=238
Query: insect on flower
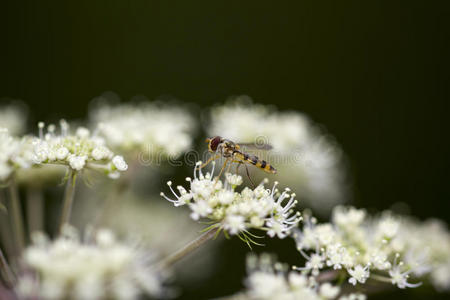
x=232, y=153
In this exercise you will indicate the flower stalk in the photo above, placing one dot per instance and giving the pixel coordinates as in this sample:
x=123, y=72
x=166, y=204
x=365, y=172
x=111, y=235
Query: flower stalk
x=189, y=248
x=328, y=275
x=35, y=209
x=6, y=271
x=68, y=200
x=16, y=216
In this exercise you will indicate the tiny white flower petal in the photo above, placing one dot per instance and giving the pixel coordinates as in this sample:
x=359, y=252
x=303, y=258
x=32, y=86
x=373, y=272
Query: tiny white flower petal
x=77, y=162
x=61, y=153
x=119, y=163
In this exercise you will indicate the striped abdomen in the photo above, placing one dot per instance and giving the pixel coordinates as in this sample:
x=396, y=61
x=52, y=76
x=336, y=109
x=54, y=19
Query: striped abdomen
x=254, y=160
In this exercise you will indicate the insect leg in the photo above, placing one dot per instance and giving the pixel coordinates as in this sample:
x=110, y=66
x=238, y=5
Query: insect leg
x=223, y=168
x=248, y=175
x=209, y=160
x=237, y=167
x=229, y=167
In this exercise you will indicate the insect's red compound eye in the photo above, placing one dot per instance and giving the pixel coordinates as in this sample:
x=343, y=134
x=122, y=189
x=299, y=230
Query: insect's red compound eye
x=215, y=142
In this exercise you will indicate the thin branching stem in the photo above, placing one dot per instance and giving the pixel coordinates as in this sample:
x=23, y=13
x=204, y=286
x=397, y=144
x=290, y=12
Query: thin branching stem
x=68, y=200
x=35, y=209
x=189, y=248
x=328, y=275
x=6, y=231
x=16, y=216
x=371, y=287
x=6, y=271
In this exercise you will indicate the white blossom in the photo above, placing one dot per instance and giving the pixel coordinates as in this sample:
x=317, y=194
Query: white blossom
x=62, y=153
x=370, y=247
x=440, y=276
x=78, y=151
x=358, y=274
x=15, y=154
x=236, y=212
x=101, y=268
x=328, y=291
x=234, y=179
x=348, y=217
x=101, y=152
x=353, y=296
x=234, y=224
x=120, y=163
x=399, y=277
x=145, y=126
x=77, y=162
x=267, y=280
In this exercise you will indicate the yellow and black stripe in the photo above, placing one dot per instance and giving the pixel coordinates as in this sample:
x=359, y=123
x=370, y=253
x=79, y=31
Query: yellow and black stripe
x=254, y=160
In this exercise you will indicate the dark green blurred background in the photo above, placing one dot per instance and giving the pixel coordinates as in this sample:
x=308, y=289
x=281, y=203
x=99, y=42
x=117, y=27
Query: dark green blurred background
x=375, y=73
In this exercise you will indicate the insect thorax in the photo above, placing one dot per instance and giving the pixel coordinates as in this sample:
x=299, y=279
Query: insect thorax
x=227, y=148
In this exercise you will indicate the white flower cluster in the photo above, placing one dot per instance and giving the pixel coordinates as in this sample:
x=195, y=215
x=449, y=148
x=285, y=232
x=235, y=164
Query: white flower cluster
x=13, y=117
x=14, y=154
x=304, y=156
x=78, y=151
x=150, y=127
x=236, y=212
x=99, y=268
x=267, y=281
x=387, y=248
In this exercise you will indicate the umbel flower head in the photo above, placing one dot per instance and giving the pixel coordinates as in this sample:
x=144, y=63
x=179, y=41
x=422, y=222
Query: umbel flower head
x=388, y=248
x=237, y=212
x=306, y=158
x=145, y=126
x=78, y=151
x=98, y=268
x=14, y=154
x=267, y=280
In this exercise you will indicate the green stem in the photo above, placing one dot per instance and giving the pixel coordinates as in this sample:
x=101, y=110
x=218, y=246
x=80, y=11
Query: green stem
x=328, y=275
x=6, y=271
x=371, y=287
x=189, y=248
x=380, y=278
x=6, y=234
x=68, y=200
x=16, y=216
x=35, y=209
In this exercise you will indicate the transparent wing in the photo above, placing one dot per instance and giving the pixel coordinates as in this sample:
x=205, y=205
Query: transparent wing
x=255, y=146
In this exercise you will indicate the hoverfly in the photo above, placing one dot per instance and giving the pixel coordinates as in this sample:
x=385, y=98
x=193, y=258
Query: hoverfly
x=232, y=153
